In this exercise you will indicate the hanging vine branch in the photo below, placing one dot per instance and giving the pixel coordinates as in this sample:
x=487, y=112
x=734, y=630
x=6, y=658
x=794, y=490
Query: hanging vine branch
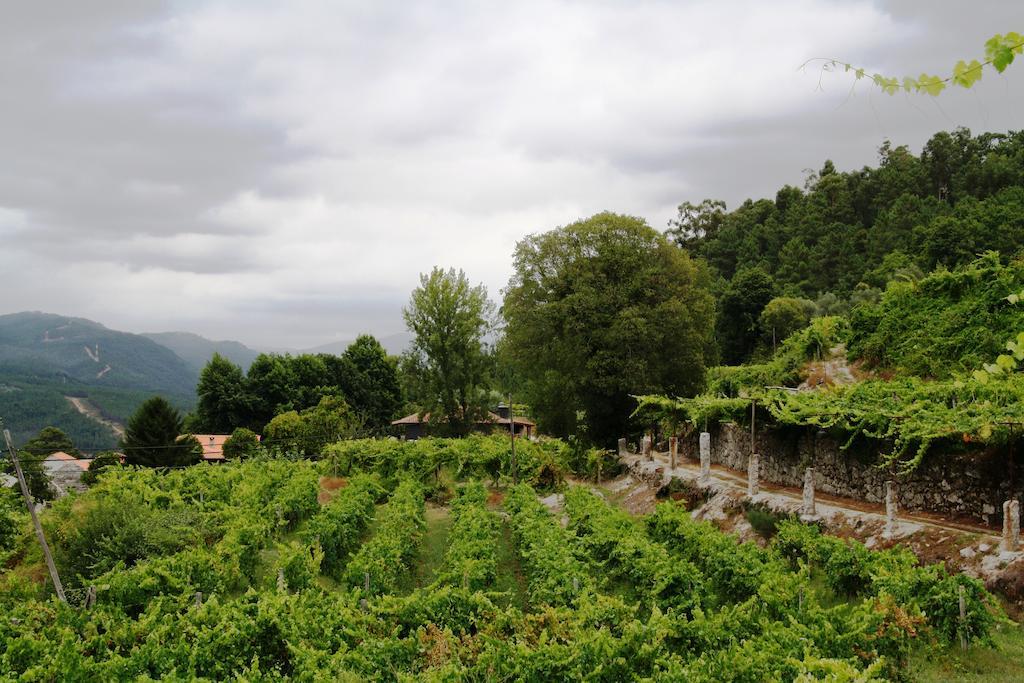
x=1000, y=51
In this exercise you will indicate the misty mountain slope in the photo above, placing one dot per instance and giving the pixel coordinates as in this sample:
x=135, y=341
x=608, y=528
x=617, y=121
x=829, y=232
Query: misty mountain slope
x=44, y=358
x=43, y=346
x=196, y=351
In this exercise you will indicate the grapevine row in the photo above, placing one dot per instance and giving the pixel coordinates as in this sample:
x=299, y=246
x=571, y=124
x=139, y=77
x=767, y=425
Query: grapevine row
x=555, y=575
x=471, y=560
x=391, y=550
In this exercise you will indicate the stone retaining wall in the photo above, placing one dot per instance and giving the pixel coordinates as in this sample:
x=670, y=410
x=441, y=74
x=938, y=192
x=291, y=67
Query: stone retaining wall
x=972, y=486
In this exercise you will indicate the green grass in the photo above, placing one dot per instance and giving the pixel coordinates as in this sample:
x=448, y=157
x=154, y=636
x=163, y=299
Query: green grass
x=1002, y=664
x=510, y=578
x=431, y=557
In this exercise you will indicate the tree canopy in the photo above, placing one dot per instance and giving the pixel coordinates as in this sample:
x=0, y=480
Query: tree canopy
x=450, y=319
x=601, y=309
x=154, y=437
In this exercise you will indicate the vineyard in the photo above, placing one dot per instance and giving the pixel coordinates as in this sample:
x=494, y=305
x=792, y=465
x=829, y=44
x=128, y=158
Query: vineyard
x=423, y=560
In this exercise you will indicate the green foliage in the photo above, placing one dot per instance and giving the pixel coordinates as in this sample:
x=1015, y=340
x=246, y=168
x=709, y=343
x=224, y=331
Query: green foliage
x=851, y=569
x=847, y=233
x=470, y=560
x=740, y=310
x=555, y=576
x=243, y=443
x=12, y=517
x=597, y=311
x=947, y=323
x=299, y=565
x=1000, y=51
x=99, y=463
x=813, y=342
x=621, y=551
x=223, y=401
x=153, y=437
x=363, y=376
x=373, y=389
x=226, y=531
x=450, y=319
x=782, y=316
x=543, y=463
x=339, y=525
x=392, y=548
x=311, y=431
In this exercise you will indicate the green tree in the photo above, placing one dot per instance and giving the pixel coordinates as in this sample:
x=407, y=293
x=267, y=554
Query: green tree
x=154, y=437
x=101, y=462
x=600, y=310
x=782, y=316
x=739, y=327
x=223, y=402
x=286, y=432
x=271, y=384
x=450, y=319
x=50, y=440
x=696, y=223
x=243, y=443
x=373, y=390
x=327, y=422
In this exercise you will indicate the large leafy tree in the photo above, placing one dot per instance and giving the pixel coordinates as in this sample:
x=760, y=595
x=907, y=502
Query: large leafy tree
x=154, y=437
x=599, y=310
x=450, y=319
x=739, y=327
x=373, y=389
x=223, y=399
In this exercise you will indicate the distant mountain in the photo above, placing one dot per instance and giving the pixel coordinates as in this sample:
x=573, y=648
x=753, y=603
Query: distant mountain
x=196, y=351
x=394, y=344
x=44, y=358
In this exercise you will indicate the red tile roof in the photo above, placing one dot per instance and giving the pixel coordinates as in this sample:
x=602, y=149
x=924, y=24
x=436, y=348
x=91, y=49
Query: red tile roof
x=213, y=445
x=64, y=457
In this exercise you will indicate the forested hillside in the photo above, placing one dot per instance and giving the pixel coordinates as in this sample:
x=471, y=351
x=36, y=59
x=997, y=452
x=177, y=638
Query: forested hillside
x=846, y=234
x=45, y=357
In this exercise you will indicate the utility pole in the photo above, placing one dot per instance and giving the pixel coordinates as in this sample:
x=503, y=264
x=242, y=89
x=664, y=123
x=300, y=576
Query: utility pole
x=57, y=585
x=512, y=434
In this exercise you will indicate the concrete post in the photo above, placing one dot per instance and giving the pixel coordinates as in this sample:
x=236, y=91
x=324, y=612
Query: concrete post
x=890, y=509
x=1011, y=526
x=645, y=447
x=673, y=449
x=753, y=474
x=808, y=506
x=705, y=456
x=622, y=448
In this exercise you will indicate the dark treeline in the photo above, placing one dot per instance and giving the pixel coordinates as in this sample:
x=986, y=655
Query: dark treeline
x=364, y=377
x=846, y=234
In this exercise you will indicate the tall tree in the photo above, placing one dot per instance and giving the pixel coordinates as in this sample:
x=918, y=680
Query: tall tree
x=223, y=400
x=450, y=319
x=374, y=391
x=739, y=327
x=599, y=310
x=153, y=437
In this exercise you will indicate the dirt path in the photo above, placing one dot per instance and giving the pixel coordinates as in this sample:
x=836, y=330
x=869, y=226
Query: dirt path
x=85, y=407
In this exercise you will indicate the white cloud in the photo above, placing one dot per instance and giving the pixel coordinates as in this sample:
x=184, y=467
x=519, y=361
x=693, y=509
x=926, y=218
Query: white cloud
x=282, y=172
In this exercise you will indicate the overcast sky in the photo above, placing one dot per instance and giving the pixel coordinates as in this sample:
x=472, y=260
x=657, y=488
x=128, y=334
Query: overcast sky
x=281, y=172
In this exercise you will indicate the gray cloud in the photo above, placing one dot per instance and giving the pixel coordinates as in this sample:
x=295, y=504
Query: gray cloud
x=280, y=173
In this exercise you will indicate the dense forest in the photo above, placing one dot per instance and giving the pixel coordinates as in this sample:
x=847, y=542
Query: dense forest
x=845, y=235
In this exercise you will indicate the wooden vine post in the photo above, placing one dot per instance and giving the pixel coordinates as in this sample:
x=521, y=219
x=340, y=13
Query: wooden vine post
x=40, y=536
